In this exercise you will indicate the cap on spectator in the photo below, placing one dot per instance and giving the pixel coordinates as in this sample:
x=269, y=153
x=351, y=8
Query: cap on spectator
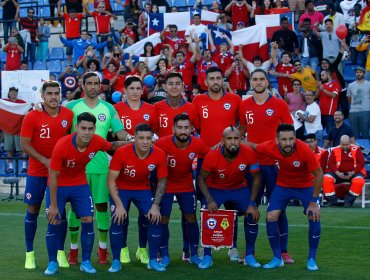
x=13, y=88
x=241, y=23
x=196, y=14
x=105, y=82
x=69, y=63
x=360, y=69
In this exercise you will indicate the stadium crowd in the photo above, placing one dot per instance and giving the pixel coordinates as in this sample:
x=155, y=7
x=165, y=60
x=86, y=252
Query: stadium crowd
x=207, y=103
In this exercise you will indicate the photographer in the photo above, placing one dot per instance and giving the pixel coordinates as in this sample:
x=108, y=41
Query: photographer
x=13, y=54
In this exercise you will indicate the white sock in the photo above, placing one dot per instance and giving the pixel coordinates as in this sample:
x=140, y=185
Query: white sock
x=103, y=245
x=74, y=246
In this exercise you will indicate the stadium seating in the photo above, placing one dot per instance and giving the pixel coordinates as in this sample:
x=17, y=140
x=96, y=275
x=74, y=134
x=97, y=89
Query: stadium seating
x=23, y=12
x=44, y=12
x=191, y=3
x=55, y=66
x=57, y=54
x=3, y=57
x=39, y=65
x=349, y=73
x=180, y=3
x=207, y=2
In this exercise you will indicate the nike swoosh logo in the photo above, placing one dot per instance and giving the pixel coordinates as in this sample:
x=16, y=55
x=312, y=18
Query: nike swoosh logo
x=163, y=115
x=314, y=237
x=43, y=125
x=129, y=166
x=90, y=233
x=270, y=236
x=115, y=233
x=253, y=232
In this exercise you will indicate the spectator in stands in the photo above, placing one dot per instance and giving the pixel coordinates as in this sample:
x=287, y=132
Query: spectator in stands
x=297, y=7
x=43, y=36
x=68, y=79
x=278, y=8
x=237, y=75
x=53, y=5
x=24, y=65
x=107, y=90
x=240, y=25
x=72, y=21
x=363, y=46
x=163, y=67
x=263, y=8
x=31, y=24
x=196, y=29
x=143, y=21
x=80, y=45
x=336, y=17
x=240, y=11
x=320, y=153
x=14, y=33
x=358, y=93
x=223, y=56
x=336, y=132
x=110, y=72
x=286, y=38
x=107, y=3
x=115, y=56
x=158, y=93
x=330, y=41
x=348, y=9
x=12, y=142
x=103, y=20
x=203, y=63
x=89, y=54
x=130, y=30
x=74, y=5
x=295, y=99
x=311, y=48
x=316, y=18
x=148, y=50
x=221, y=22
x=10, y=8
x=13, y=54
x=257, y=62
x=173, y=40
x=354, y=35
x=306, y=75
x=346, y=164
x=312, y=118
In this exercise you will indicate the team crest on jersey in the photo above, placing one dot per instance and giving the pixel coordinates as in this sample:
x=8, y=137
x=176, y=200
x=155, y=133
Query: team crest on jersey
x=146, y=117
x=296, y=163
x=102, y=117
x=242, y=167
x=211, y=223
x=151, y=167
x=191, y=156
x=64, y=123
x=28, y=195
x=269, y=112
x=227, y=106
x=91, y=155
x=112, y=208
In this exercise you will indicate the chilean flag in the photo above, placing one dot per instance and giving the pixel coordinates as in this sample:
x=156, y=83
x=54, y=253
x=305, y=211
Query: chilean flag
x=272, y=22
x=11, y=116
x=253, y=39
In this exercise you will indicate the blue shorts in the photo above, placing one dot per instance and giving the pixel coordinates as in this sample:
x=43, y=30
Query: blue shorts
x=35, y=189
x=141, y=199
x=187, y=202
x=79, y=196
x=281, y=196
x=238, y=198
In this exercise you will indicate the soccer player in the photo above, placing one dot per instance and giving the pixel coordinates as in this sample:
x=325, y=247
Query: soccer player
x=222, y=179
x=40, y=132
x=300, y=177
x=67, y=183
x=181, y=148
x=260, y=116
x=133, y=112
x=128, y=181
x=97, y=169
x=167, y=109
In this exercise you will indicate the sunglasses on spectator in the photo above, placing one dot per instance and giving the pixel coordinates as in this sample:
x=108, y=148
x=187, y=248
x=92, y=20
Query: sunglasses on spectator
x=30, y=13
x=298, y=64
x=296, y=84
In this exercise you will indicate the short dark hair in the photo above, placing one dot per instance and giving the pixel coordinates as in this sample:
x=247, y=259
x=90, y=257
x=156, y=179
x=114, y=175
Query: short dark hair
x=285, y=127
x=330, y=6
x=173, y=75
x=212, y=70
x=329, y=19
x=285, y=52
x=258, y=70
x=53, y=84
x=142, y=127
x=257, y=57
x=181, y=117
x=310, y=136
x=130, y=79
x=86, y=116
x=297, y=60
x=308, y=2
x=328, y=71
x=13, y=88
x=97, y=63
x=89, y=75
x=283, y=19
x=296, y=80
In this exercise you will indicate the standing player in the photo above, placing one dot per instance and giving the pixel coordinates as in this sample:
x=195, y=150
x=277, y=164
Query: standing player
x=133, y=112
x=67, y=183
x=260, y=116
x=222, y=179
x=300, y=177
x=181, y=148
x=167, y=109
x=129, y=173
x=40, y=132
x=97, y=169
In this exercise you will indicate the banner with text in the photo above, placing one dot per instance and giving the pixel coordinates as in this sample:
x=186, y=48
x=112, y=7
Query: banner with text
x=217, y=228
x=28, y=83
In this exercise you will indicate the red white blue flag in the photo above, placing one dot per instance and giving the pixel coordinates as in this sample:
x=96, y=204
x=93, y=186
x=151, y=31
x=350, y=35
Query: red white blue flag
x=272, y=22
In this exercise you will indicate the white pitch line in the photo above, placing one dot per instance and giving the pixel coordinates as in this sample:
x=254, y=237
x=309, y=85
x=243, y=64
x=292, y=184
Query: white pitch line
x=261, y=224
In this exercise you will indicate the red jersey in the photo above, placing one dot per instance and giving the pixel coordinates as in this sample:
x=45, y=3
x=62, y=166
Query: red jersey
x=215, y=115
x=295, y=171
x=175, y=43
x=108, y=74
x=131, y=33
x=283, y=81
x=73, y=26
x=131, y=118
x=102, y=22
x=237, y=79
x=223, y=60
x=203, y=66
x=186, y=70
x=328, y=105
x=13, y=58
x=179, y=162
x=44, y=132
x=165, y=115
x=225, y=175
x=261, y=121
x=135, y=172
x=322, y=157
x=71, y=163
x=239, y=13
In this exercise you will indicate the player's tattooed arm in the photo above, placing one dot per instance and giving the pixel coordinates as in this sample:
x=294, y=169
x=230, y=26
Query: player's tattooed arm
x=161, y=187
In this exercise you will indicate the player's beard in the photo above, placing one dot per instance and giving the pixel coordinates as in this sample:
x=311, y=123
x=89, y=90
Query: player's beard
x=259, y=89
x=182, y=139
x=233, y=150
x=288, y=149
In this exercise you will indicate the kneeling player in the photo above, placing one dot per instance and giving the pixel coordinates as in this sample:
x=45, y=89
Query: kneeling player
x=222, y=179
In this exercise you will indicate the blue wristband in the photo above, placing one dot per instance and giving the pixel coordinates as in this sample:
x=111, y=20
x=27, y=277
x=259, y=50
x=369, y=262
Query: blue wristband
x=315, y=199
x=252, y=203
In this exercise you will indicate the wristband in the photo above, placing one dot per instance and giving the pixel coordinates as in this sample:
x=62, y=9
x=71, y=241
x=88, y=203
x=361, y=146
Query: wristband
x=252, y=203
x=314, y=199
